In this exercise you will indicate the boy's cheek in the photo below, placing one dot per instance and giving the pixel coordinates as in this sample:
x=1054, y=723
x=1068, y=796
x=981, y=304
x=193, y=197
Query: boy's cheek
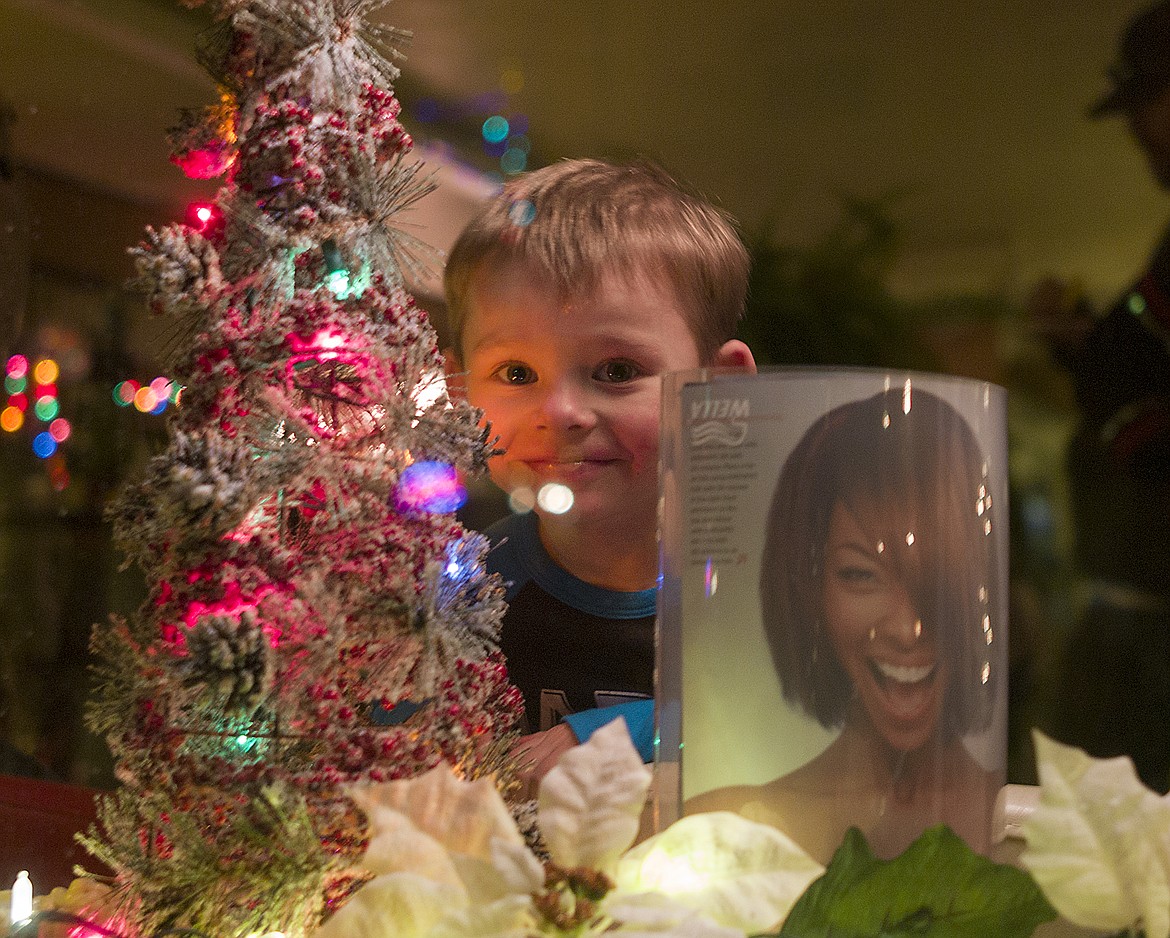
x=505, y=474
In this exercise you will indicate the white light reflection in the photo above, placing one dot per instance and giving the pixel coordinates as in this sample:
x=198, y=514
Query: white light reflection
x=555, y=498
x=906, y=397
x=521, y=500
x=431, y=388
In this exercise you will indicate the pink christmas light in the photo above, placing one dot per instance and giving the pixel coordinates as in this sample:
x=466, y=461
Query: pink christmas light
x=323, y=345
x=17, y=366
x=233, y=604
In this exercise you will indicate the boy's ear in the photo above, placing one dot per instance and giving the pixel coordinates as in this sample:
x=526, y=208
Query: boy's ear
x=734, y=354
x=456, y=376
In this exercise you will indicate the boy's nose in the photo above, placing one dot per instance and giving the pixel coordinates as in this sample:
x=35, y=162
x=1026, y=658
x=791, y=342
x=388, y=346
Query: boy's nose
x=565, y=407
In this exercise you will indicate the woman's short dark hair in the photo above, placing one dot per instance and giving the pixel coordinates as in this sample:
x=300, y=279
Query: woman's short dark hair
x=896, y=472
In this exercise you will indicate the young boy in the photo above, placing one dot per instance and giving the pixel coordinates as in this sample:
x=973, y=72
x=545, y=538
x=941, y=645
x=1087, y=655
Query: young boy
x=570, y=295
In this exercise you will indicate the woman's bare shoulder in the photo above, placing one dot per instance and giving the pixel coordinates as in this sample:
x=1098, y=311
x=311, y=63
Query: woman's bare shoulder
x=731, y=798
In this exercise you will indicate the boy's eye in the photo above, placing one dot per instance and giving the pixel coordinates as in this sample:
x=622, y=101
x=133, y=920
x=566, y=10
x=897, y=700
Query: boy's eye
x=515, y=373
x=617, y=371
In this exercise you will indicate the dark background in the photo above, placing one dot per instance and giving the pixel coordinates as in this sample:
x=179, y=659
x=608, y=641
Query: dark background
x=905, y=172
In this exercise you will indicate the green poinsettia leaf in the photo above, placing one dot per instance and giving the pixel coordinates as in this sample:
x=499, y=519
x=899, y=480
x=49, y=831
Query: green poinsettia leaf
x=938, y=888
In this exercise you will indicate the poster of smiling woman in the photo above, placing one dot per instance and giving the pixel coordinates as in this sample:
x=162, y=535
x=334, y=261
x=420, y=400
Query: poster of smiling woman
x=833, y=629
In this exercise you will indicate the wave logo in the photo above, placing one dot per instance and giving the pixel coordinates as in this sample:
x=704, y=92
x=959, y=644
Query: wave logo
x=719, y=421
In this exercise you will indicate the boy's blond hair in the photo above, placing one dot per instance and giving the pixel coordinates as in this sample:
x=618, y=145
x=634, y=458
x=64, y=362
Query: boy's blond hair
x=576, y=220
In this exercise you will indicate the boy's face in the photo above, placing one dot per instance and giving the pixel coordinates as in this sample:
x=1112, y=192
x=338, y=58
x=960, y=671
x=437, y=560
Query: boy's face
x=573, y=386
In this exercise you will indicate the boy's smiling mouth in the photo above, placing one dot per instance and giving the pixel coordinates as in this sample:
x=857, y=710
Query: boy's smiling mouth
x=561, y=468
x=569, y=461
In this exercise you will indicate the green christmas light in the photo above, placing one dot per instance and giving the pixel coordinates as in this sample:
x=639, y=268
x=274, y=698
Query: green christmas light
x=46, y=408
x=337, y=283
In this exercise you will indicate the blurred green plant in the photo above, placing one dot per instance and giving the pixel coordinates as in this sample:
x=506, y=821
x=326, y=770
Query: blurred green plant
x=829, y=303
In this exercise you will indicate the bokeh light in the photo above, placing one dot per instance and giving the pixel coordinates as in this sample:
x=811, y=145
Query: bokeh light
x=495, y=148
x=19, y=401
x=145, y=400
x=60, y=429
x=11, y=419
x=58, y=473
x=44, y=445
x=14, y=384
x=46, y=408
x=45, y=390
x=17, y=367
x=429, y=486
x=495, y=129
x=513, y=161
x=555, y=498
x=124, y=392
x=521, y=500
x=521, y=213
x=46, y=371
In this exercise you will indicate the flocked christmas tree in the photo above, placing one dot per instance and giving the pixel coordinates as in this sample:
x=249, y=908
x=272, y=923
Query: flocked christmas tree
x=305, y=566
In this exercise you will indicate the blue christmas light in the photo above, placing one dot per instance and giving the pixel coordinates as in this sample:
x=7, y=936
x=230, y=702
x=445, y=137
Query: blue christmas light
x=464, y=570
x=432, y=487
x=44, y=445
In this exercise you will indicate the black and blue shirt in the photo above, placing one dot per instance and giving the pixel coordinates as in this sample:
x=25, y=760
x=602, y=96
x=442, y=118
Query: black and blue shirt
x=575, y=651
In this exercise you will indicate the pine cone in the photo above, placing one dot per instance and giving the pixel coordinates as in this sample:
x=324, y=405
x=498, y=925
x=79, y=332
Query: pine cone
x=177, y=269
x=231, y=658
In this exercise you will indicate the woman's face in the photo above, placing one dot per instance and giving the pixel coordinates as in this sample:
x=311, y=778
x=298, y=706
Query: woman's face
x=890, y=655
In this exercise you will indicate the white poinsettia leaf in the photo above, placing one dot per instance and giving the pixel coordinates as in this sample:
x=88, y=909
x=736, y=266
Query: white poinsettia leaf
x=400, y=905
x=512, y=870
x=462, y=816
x=1098, y=844
x=739, y=873
x=519, y=868
x=590, y=804
x=654, y=915
x=510, y=917
x=397, y=846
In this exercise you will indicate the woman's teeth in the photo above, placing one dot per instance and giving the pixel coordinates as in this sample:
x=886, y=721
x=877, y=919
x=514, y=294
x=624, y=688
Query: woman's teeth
x=904, y=674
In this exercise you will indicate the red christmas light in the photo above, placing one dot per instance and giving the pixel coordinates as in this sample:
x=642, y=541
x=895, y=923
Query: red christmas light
x=204, y=217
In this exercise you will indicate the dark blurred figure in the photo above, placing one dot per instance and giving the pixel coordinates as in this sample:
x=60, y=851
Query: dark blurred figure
x=1114, y=686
